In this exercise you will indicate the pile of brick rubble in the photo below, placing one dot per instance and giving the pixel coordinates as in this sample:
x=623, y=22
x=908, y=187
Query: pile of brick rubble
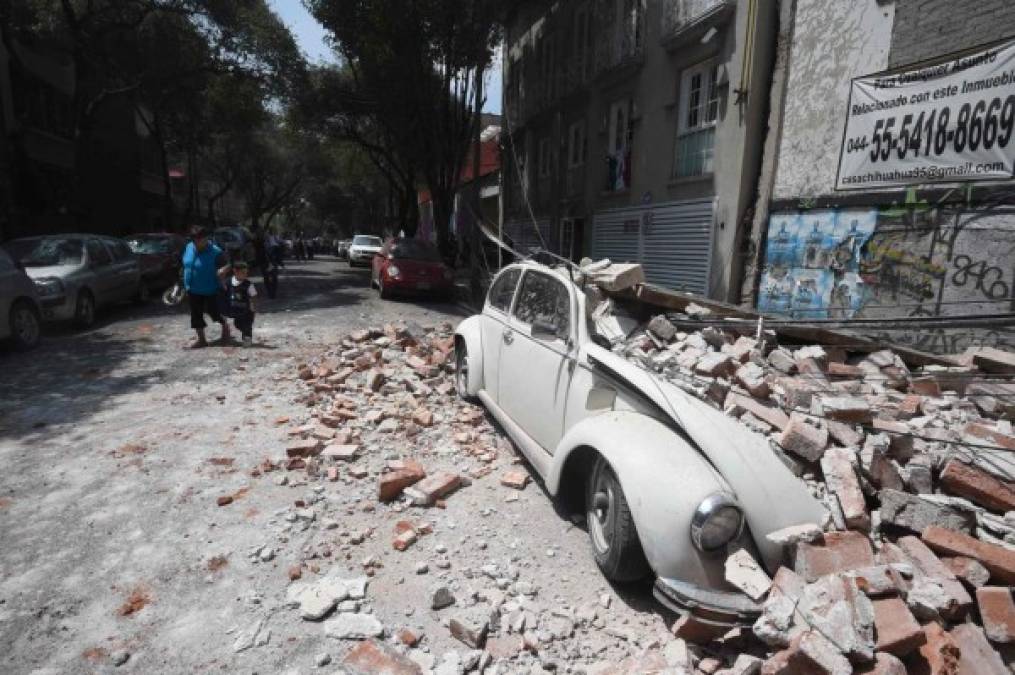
x=913, y=569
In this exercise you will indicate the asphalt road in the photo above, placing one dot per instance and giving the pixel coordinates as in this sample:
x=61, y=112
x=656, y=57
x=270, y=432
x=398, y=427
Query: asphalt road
x=115, y=444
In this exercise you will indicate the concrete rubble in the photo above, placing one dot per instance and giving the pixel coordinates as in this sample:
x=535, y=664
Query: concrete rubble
x=913, y=569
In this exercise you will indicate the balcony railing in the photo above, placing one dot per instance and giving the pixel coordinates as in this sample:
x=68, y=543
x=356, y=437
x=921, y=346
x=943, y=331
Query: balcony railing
x=681, y=15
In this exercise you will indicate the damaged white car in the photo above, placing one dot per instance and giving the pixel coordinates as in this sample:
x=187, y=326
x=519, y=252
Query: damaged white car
x=670, y=486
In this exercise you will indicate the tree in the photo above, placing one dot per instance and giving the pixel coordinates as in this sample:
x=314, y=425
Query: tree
x=410, y=69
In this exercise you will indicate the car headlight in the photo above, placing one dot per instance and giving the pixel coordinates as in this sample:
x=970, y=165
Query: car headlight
x=49, y=286
x=393, y=271
x=716, y=522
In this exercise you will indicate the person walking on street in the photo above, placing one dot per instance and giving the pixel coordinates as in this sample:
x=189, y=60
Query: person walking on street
x=272, y=261
x=242, y=306
x=200, y=278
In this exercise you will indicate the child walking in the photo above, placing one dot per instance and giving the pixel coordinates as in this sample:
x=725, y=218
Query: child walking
x=241, y=292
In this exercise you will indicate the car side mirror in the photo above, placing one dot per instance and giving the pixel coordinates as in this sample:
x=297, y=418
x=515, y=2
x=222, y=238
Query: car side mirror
x=544, y=330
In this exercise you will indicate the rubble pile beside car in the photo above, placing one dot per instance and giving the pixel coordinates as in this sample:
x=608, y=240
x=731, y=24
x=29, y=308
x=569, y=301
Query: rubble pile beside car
x=913, y=568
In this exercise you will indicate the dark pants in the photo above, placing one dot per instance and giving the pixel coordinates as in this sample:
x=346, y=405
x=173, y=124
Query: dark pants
x=245, y=324
x=270, y=275
x=201, y=305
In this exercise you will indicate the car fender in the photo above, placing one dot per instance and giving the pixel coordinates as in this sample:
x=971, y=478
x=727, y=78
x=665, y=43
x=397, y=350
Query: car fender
x=664, y=479
x=470, y=331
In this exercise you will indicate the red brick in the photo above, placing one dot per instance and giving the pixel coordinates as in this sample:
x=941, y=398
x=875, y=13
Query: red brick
x=843, y=482
x=332, y=473
x=844, y=434
x=846, y=409
x=838, y=552
x=995, y=360
x=433, y=487
x=978, y=486
x=844, y=370
x=998, y=612
x=716, y=364
x=404, y=540
x=910, y=406
x=884, y=664
x=977, y=656
x=515, y=479
x=939, y=656
x=927, y=386
x=971, y=572
x=770, y=414
x=928, y=564
x=809, y=653
x=803, y=439
x=391, y=484
x=372, y=657
x=1000, y=561
x=897, y=631
x=423, y=417
x=303, y=448
x=990, y=434
x=407, y=637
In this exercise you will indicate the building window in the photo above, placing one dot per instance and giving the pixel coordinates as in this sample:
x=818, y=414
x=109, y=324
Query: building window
x=544, y=157
x=618, y=158
x=699, y=111
x=581, y=44
x=576, y=144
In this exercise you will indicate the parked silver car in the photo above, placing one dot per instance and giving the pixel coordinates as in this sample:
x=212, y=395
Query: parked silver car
x=20, y=318
x=363, y=249
x=77, y=274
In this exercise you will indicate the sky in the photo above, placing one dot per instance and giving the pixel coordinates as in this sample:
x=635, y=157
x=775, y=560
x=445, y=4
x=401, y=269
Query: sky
x=312, y=39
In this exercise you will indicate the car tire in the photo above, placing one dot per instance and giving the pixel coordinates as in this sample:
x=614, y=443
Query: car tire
x=384, y=293
x=615, y=544
x=26, y=325
x=462, y=371
x=84, y=310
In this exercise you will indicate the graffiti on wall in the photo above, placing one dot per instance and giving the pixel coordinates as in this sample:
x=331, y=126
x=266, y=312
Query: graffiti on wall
x=913, y=259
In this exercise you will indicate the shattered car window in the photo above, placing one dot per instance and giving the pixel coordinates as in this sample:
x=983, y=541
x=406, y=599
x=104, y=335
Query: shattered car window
x=504, y=289
x=544, y=299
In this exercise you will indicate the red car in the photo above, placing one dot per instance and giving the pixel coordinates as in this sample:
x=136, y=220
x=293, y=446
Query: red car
x=410, y=266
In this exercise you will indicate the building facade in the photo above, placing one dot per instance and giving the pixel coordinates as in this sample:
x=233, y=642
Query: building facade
x=877, y=199
x=633, y=130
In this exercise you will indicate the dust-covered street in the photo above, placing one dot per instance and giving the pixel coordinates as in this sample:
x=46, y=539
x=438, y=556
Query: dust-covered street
x=144, y=529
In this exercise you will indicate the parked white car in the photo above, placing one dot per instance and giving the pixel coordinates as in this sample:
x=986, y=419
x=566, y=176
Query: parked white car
x=669, y=485
x=20, y=318
x=77, y=274
x=363, y=249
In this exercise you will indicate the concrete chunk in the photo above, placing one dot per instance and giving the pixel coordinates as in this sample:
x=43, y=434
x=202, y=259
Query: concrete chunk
x=916, y=514
x=744, y=572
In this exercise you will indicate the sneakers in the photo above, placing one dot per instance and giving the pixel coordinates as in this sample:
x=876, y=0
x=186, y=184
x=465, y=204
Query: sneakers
x=248, y=342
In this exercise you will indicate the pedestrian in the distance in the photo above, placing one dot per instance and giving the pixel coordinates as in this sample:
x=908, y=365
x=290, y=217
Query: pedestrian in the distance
x=200, y=278
x=241, y=292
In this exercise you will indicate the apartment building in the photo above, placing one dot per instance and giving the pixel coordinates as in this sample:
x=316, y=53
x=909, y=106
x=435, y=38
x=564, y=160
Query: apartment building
x=633, y=130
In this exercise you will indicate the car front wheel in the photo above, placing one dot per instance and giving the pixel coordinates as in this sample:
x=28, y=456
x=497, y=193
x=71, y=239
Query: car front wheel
x=26, y=326
x=615, y=542
x=84, y=314
x=462, y=370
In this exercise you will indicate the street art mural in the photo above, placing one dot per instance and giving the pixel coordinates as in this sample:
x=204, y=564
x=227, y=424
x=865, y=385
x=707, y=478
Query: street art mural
x=912, y=259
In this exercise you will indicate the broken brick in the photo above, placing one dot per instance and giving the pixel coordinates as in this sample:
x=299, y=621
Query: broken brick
x=423, y=417
x=998, y=612
x=926, y=386
x=803, y=439
x=939, y=655
x=999, y=560
x=303, y=448
x=897, y=631
x=977, y=657
x=842, y=481
x=845, y=409
x=391, y=484
x=990, y=434
x=373, y=656
x=770, y=414
x=404, y=540
x=433, y=487
x=844, y=370
x=515, y=479
x=838, y=552
x=971, y=572
x=978, y=486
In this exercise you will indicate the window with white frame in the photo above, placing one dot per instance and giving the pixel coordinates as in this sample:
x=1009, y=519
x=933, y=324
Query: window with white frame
x=544, y=157
x=576, y=144
x=699, y=112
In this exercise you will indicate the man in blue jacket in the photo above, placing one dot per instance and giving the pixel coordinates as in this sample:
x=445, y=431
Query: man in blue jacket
x=200, y=278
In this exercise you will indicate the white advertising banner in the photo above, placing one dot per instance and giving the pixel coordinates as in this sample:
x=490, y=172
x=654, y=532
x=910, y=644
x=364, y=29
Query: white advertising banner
x=950, y=122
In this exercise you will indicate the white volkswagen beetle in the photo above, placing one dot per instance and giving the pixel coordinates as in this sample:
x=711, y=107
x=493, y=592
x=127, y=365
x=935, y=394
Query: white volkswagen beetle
x=669, y=485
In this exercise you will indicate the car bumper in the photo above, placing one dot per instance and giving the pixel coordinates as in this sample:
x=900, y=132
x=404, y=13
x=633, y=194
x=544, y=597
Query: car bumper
x=721, y=608
x=57, y=309
x=361, y=257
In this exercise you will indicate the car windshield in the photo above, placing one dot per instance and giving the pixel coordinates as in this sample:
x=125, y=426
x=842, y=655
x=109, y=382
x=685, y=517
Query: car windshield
x=414, y=249
x=46, y=252
x=364, y=240
x=150, y=246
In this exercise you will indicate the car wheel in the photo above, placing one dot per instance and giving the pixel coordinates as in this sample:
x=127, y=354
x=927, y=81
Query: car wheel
x=462, y=370
x=615, y=542
x=26, y=326
x=84, y=312
x=384, y=293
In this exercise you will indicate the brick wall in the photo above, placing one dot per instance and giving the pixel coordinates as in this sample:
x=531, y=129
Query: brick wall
x=926, y=29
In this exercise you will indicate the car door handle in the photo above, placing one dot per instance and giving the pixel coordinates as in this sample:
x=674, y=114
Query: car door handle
x=508, y=336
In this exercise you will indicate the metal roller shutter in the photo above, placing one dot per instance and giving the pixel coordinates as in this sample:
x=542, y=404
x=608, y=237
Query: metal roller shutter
x=523, y=234
x=672, y=241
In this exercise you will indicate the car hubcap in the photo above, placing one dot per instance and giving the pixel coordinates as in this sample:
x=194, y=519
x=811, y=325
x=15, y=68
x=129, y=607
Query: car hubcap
x=26, y=326
x=601, y=514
